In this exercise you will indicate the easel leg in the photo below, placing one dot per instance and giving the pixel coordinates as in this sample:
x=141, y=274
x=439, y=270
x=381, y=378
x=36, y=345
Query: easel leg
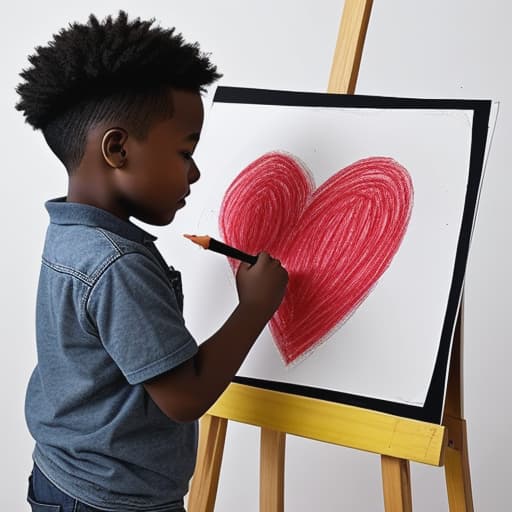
x=272, y=470
x=396, y=480
x=203, y=490
x=458, y=479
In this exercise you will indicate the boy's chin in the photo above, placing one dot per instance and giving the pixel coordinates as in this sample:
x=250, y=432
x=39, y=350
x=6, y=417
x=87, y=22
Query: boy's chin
x=157, y=220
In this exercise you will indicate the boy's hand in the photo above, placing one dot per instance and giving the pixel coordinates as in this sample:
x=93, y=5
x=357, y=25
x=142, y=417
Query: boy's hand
x=262, y=286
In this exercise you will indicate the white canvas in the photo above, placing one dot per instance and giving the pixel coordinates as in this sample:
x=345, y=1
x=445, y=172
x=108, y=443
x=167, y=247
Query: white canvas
x=387, y=348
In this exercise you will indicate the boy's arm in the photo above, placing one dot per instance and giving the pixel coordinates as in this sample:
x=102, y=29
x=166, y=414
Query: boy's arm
x=189, y=390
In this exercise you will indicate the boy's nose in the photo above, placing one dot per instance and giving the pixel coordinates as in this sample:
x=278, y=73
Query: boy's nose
x=193, y=173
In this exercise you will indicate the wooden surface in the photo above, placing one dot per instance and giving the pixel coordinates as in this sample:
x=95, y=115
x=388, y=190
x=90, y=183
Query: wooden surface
x=349, y=46
x=333, y=423
x=396, y=482
x=457, y=474
x=203, y=490
x=457, y=471
x=272, y=449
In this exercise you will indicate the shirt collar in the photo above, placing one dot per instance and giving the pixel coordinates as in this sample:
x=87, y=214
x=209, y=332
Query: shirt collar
x=64, y=213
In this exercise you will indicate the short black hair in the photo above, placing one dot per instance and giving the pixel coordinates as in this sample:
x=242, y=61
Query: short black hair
x=114, y=70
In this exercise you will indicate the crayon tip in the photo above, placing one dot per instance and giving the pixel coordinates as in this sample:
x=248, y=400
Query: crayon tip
x=203, y=241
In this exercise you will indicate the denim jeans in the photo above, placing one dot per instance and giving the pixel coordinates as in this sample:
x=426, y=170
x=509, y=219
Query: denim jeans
x=43, y=496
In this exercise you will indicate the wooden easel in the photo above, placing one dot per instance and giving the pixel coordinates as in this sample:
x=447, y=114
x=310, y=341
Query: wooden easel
x=397, y=440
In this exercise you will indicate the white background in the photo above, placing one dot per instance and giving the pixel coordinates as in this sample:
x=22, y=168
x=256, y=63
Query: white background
x=457, y=48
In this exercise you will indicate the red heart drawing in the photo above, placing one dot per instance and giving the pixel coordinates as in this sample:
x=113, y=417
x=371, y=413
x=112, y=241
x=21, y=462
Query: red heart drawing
x=335, y=241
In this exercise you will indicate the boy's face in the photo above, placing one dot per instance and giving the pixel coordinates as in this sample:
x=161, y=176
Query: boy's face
x=155, y=174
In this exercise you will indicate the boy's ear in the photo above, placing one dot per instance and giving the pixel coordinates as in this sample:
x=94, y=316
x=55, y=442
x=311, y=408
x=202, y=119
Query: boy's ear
x=112, y=147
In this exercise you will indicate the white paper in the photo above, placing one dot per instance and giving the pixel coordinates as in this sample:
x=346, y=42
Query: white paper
x=387, y=348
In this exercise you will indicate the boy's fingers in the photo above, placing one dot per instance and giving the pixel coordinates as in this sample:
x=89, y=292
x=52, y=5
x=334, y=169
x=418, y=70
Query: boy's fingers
x=264, y=256
x=244, y=266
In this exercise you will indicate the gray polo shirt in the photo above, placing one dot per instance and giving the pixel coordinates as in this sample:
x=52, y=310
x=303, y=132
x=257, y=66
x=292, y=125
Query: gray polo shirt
x=108, y=318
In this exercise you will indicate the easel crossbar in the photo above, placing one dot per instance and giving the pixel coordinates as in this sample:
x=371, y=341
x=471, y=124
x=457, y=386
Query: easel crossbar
x=334, y=423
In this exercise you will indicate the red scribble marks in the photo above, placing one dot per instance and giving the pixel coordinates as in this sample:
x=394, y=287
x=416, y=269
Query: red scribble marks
x=335, y=241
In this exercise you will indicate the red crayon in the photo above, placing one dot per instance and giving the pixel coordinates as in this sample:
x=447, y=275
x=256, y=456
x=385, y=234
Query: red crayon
x=207, y=242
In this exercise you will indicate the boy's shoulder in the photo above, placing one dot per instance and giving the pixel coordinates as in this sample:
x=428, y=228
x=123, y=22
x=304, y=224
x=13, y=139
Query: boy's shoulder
x=86, y=250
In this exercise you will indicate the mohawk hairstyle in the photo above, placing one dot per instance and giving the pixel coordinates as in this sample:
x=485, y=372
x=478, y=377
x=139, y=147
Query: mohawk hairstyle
x=116, y=70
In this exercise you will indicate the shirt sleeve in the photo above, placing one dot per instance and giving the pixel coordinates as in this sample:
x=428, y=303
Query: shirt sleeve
x=134, y=310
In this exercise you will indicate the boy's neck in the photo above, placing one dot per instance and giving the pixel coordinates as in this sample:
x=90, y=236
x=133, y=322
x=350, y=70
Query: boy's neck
x=89, y=191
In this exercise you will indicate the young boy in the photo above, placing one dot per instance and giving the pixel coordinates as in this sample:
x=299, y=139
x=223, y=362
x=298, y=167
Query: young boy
x=114, y=400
